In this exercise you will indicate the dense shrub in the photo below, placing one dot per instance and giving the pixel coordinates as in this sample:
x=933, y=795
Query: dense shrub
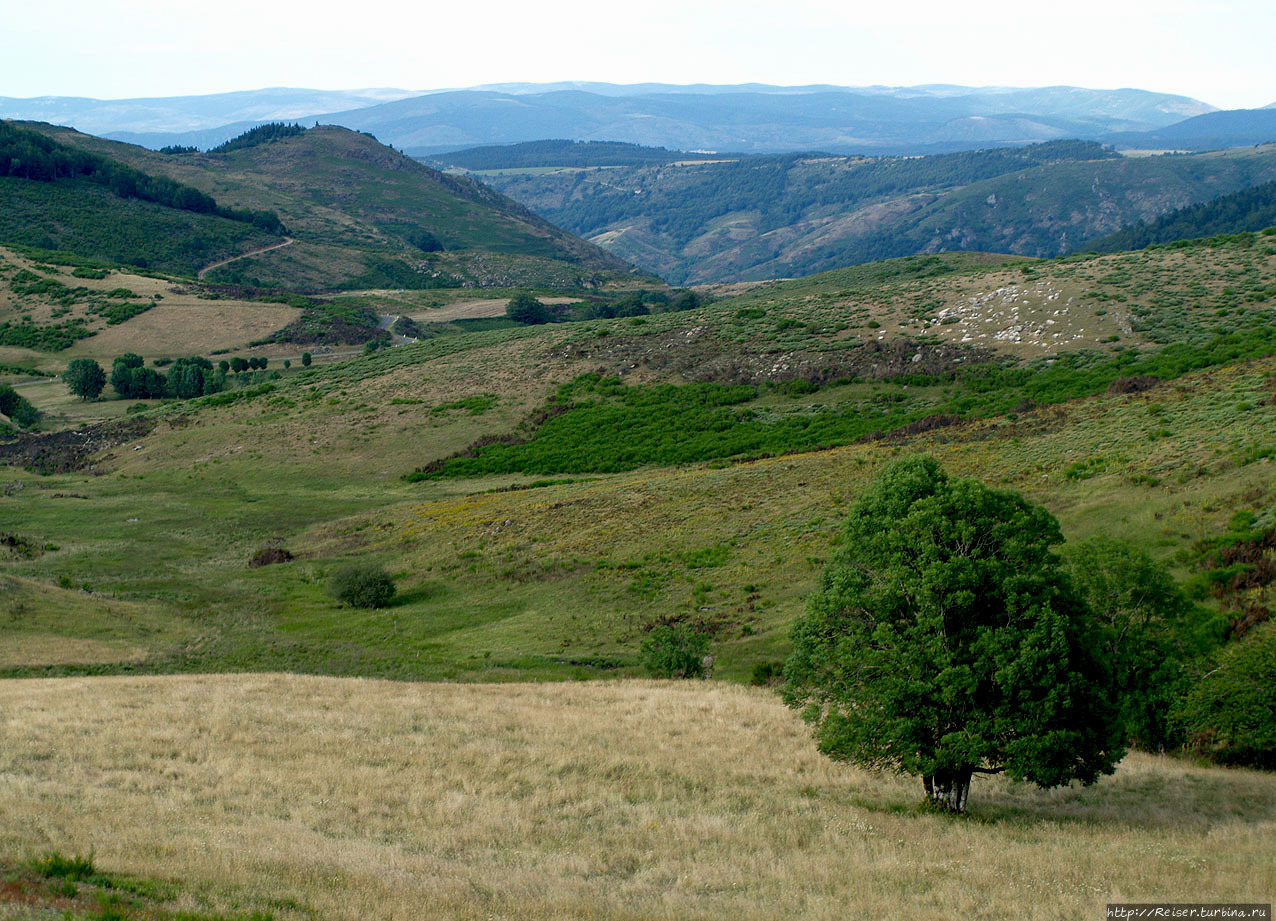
x=362, y=585
x=674, y=651
x=17, y=408
x=523, y=308
x=1230, y=715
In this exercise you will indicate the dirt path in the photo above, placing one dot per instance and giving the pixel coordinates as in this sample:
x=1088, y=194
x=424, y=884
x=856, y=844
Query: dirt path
x=288, y=241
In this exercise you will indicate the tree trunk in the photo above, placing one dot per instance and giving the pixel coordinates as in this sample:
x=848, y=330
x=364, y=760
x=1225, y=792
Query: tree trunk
x=949, y=789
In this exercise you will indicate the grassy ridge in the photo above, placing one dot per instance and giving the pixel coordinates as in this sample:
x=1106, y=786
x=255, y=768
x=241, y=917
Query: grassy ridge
x=560, y=580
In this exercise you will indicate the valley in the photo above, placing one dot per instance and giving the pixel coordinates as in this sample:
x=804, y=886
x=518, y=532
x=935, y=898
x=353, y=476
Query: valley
x=757, y=218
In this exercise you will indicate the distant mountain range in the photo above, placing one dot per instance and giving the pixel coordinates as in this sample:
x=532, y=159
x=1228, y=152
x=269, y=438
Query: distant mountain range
x=1211, y=131
x=746, y=118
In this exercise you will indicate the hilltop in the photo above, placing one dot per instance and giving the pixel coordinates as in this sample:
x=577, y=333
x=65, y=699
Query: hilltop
x=358, y=215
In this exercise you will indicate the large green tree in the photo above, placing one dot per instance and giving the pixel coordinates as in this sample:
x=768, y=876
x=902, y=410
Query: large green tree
x=85, y=378
x=946, y=640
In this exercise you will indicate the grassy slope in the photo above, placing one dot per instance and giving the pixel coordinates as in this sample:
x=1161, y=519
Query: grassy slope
x=349, y=201
x=559, y=580
x=1041, y=211
x=311, y=797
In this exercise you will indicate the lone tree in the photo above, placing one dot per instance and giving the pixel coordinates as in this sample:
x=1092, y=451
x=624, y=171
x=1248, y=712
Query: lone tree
x=946, y=640
x=85, y=378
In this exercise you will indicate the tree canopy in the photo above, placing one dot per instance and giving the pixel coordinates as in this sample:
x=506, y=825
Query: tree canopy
x=524, y=308
x=1231, y=714
x=946, y=640
x=1144, y=630
x=85, y=378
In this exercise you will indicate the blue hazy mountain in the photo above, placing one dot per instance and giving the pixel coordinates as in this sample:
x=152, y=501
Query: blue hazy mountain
x=1211, y=131
x=742, y=118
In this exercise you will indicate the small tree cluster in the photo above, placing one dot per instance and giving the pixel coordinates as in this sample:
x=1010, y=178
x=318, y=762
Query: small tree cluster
x=1230, y=714
x=239, y=365
x=187, y=378
x=524, y=308
x=132, y=380
x=17, y=407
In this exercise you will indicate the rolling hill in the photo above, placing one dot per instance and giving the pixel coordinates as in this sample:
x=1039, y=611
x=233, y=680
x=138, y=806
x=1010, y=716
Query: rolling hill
x=1208, y=131
x=545, y=495
x=361, y=215
x=765, y=217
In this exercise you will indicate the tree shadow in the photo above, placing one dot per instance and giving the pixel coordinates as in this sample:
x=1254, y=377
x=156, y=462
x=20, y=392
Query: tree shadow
x=1147, y=791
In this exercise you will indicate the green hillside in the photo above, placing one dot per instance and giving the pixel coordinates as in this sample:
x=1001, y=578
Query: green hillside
x=771, y=217
x=81, y=217
x=361, y=215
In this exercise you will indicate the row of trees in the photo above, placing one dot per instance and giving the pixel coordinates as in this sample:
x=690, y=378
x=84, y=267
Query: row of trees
x=526, y=309
x=947, y=640
x=131, y=379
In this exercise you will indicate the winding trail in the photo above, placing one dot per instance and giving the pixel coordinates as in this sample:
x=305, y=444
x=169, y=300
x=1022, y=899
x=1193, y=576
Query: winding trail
x=288, y=241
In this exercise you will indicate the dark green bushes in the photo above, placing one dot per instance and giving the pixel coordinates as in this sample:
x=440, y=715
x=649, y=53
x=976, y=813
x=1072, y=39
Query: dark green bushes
x=1230, y=715
x=30, y=155
x=17, y=408
x=674, y=651
x=598, y=425
x=262, y=134
x=362, y=585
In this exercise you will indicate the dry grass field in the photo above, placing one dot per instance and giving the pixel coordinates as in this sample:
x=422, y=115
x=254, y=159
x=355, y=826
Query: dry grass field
x=205, y=327
x=354, y=799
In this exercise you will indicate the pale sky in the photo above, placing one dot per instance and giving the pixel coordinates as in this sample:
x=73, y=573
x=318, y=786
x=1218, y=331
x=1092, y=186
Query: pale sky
x=1220, y=52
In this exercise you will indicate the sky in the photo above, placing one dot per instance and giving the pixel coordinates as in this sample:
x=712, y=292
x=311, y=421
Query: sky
x=1219, y=52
